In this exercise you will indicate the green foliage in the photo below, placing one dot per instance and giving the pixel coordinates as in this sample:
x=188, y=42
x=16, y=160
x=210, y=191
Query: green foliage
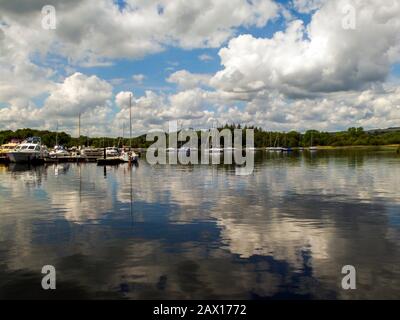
x=351, y=137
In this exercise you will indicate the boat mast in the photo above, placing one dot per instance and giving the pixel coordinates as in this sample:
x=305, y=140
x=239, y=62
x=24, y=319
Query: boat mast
x=57, y=134
x=130, y=121
x=79, y=125
x=311, y=139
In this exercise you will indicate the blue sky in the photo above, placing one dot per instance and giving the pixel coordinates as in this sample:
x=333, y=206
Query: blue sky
x=157, y=67
x=288, y=65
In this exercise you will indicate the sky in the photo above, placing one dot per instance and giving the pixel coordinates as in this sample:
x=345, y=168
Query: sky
x=281, y=65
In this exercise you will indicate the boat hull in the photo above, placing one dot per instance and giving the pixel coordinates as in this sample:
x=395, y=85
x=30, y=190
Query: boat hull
x=25, y=157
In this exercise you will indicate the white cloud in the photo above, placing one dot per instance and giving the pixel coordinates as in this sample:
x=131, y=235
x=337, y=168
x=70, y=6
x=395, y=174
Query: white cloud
x=322, y=57
x=139, y=78
x=187, y=80
x=307, y=6
x=307, y=76
x=77, y=94
x=141, y=28
x=205, y=57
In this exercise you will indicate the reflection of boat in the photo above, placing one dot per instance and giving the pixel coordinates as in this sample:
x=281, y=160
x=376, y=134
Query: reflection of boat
x=29, y=151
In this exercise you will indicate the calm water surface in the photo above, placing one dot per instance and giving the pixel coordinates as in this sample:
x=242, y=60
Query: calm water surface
x=197, y=232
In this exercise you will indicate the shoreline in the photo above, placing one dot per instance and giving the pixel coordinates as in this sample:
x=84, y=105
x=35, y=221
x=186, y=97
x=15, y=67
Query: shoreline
x=388, y=147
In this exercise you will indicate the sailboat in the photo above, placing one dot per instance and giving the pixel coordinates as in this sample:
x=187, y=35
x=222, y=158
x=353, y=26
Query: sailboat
x=277, y=148
x=58, y=151
x=128, y=155
x=286, y=149
x=312, y=148
x=270, y=148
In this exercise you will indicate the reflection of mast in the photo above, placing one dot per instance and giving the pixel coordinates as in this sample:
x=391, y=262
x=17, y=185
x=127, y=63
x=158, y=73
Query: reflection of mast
x=131, y=194
x=80, y=184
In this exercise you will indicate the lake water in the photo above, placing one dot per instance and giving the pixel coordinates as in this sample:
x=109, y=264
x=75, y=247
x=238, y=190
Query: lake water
x=201, y=232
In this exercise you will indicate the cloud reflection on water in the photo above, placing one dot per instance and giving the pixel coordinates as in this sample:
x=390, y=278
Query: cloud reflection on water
x=202, y=232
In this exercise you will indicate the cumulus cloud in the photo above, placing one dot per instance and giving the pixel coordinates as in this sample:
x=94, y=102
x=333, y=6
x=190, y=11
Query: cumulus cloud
x=139, y=28
x=187, y=80
x=307, y=6
x=77, y=94
x=317, y=75
x=322, y=57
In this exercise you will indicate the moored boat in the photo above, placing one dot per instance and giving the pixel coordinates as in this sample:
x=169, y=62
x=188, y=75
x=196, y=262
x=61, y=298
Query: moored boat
x=29, y=151
x=59, y=153
x=4, y=149
x=112, y=152
x=92, y=154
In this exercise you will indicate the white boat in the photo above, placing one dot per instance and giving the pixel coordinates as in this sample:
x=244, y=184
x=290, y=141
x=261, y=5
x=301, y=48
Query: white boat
x=29, y=151
x=59, y=152
x=112, y=152
x=129, y=156
x=92, y=153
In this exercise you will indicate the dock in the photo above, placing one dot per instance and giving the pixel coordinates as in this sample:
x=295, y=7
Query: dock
x=72, y=159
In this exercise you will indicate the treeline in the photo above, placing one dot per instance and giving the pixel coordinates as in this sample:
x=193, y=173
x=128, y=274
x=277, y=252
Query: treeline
x=351, y=137
x=262, y=138
x=50, y=139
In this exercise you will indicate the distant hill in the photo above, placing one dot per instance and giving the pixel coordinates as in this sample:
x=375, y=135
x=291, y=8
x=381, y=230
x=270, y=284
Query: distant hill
x=394, y=129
